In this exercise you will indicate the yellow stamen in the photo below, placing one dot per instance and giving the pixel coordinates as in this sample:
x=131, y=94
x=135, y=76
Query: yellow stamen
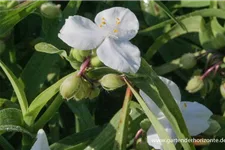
x=117, y=22
x=118, y=19
x=103, y=22
x=103, y=18
x=115, y=30
x=185, y=105
x=100, y=25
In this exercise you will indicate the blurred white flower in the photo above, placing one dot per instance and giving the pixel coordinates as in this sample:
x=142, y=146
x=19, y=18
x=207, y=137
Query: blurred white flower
x=196, y=115
x=42, y=142
x=110, y=34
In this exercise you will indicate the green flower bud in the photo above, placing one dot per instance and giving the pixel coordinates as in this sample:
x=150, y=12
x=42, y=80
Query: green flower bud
x=85, y=53
x=145, y=124
x=222, y=90
x=188, y=61
x=83, y=91
x=194, y=84
x=142, y=145
x=70, y=86
x=95, y=62
x=76, y=55
x=50, y=10
x=94, y=93
x=111, y=82
x=214, y=127
x=2, y=47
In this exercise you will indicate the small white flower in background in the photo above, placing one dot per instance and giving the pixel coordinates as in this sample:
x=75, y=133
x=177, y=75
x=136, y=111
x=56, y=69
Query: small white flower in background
x=42, y=142
x=110, y=34
x=196, y=115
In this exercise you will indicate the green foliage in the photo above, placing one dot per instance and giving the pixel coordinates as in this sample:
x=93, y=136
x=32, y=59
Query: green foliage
x=35, y=62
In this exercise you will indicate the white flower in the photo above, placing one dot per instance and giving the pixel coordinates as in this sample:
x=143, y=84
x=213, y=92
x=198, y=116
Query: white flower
x=41, y=142
x=196, y=115
x=110, y=34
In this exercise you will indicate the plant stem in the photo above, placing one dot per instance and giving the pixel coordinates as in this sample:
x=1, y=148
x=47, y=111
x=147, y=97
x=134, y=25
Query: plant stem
x=83, y=67
x=174, y=64
x=121, y=135
x=49, y=113
x=138, y=134
x=208, y=71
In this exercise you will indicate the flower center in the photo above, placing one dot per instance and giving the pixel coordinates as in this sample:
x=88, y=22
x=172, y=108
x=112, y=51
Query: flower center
x=113, y=30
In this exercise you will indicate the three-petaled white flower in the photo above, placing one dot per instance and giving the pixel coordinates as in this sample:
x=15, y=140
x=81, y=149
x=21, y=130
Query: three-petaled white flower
x=110, y=34
x=42, y=142
x=196, y=115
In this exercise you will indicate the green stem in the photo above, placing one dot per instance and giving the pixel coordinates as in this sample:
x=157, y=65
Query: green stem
x=49, y=113
x=121, y=135
x=173, y=65
x=204, y=13
x=5, y=144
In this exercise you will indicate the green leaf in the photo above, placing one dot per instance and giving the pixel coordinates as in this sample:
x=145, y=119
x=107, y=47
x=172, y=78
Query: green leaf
x=191, y=4
x=17, y=86
x=39, y=102
x=9, y=18
x=71, y=8
x=5, y=144
x=49, y=113
x=76, y=139
x=122, y=130
x=204, y=13
x=11, y=116
x=160, y=94
x=105, y=139
x=192, y=25
x=83, y=117
x=167, y=11
x=212, y=35
x=50, y=49
x=154, y=120
x=15, y=128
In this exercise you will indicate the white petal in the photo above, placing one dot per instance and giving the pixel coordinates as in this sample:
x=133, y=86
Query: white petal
x=119, y=55
x=128, y=24
x=151, y=105
x=41, y=142
x=173, y=89
x=81, y=33
x=153, y=138
x=196, y=117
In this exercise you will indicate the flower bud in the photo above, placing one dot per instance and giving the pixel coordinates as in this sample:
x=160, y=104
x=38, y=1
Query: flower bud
x=188, y=61
x=83, y=91
x=50, y=10
x=222, y=90
x=145, y=124
x=95, y=62
x=2, y=47
x=111, y=82
x=142, y=145
x=84, y=53
x=194, y=84
x=70, y=86
x=76, y=55
x=94, y=93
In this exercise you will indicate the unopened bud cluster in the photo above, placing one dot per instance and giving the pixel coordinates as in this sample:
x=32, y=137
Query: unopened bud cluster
x=76, y=87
